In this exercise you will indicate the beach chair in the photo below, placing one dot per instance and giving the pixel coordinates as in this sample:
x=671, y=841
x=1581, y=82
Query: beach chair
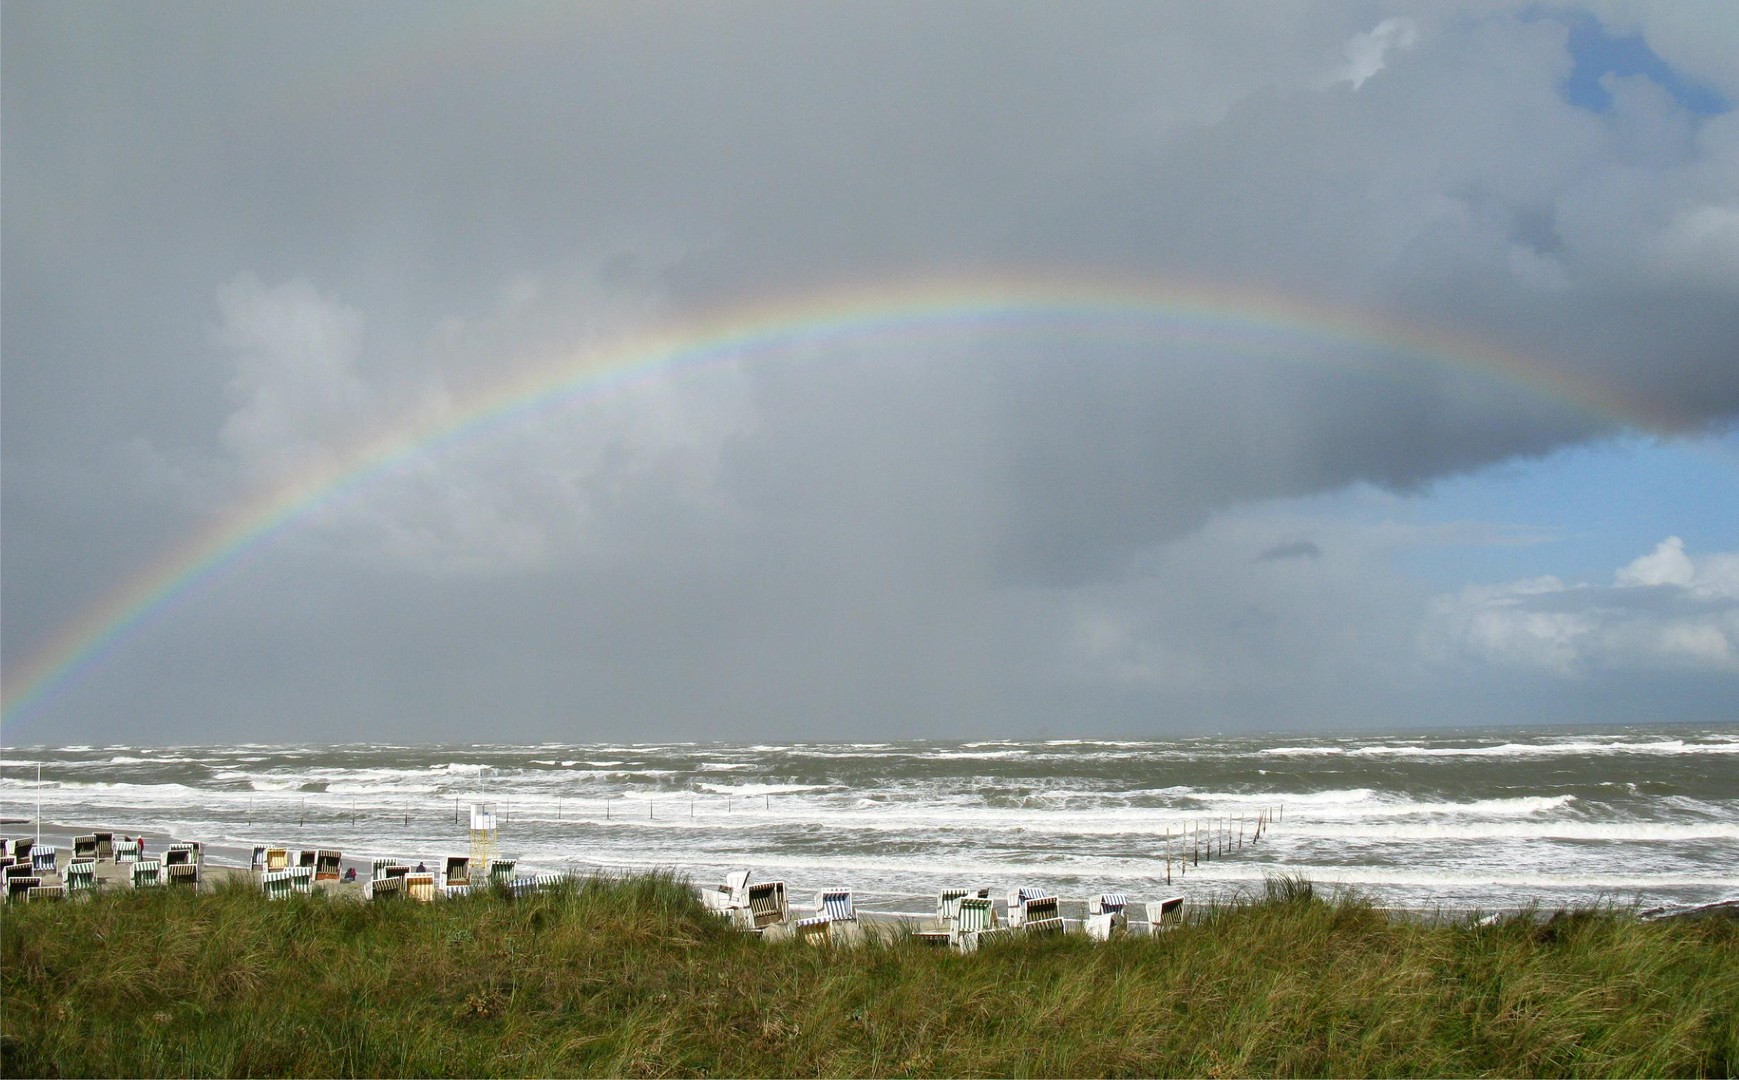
x=814, y=931
x=124, y=853
x=974, y=918
x=377, y=868
x=45, y=859
x=178, y=855
x=835, y=905
x=186, y=873
x=525, y=886
x=385, y=888
x=766, y=904
x=277, y=858
x=21, y=849
x=420, y=887
x=276, y=884
x=84, y=847
x=1163, y=914
x=257, y=859
x=457, y=872
x=1040, y=915
x=328, y=864
x=1106, y=917
x=17, y=868
x=147, y=874
x=105, y=845
x=500, y=871
x=731, y=896
x=81, y=875
x=46, y=892
x=1017, y=900
x=18, y=888
x=454, y=892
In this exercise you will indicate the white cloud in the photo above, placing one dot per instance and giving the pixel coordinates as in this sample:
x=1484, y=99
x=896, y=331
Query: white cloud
x=1664, y=611
x=1368, y=53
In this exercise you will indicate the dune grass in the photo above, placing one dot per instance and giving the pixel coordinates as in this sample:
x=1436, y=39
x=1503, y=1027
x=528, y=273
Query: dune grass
x=630, y=977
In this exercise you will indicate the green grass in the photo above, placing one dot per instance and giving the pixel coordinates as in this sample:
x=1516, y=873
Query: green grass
x=630, y=977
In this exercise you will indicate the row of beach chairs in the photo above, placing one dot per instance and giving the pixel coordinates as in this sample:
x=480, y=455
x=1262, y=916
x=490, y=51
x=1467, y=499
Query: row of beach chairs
x=964, y=918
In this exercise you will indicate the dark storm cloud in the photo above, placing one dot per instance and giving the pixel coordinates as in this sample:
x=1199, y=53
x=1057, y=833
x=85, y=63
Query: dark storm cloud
x=235, y=238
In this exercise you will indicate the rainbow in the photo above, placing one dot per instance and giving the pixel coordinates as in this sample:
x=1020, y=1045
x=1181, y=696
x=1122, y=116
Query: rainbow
x=1234, y=321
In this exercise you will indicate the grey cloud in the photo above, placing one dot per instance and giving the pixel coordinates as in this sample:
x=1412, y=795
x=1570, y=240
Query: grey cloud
x=1292, y=549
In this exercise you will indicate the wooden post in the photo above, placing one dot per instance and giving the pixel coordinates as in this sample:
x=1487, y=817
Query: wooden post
x=606, y=809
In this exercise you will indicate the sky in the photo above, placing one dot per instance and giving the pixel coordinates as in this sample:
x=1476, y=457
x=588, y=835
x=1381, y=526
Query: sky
x=765, y=372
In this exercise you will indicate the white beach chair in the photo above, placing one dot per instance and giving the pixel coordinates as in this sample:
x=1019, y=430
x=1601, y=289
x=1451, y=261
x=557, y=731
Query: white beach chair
x=500, y=871
x=766, y=904
x=257, y=861
x=186, y=873
x=277, y=859
x=457, y=872
x=328, y=864
x=1040, y=915
x=814, y=931
x=84, y=847
x=1162, y=914
x=277, y=884
x=1106, y=917
x=384, y=888
x=46, y=892
x=420, y=887
x=835, y=905
x=178, y=855
x=44, y=859
x=81, y=875
x=105, y=844
x=18, y=888
x=147, y=874
x=974, y=919
x=1017, y=901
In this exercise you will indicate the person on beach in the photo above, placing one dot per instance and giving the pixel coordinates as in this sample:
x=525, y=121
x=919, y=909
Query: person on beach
x=421, y=869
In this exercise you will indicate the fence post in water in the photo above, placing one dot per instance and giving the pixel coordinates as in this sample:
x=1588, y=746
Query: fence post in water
x=648, y=809
x=606, y=809
x=769, y=802
x=302, y=814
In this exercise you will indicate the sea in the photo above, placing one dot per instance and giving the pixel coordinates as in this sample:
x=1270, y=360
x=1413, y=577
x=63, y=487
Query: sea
x=1442, y=822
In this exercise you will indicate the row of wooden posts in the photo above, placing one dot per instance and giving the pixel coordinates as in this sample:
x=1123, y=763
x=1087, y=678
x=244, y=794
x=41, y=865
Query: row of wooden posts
x=1223, y=836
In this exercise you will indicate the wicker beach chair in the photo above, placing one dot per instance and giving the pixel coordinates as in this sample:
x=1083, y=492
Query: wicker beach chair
x=420, y=887
x=45, y=859
x=1040, y=915
x=21, y=849
x=457, y=872
x=501, y=871
x=186, y=874
x=257, y=861
x=835, y=905
x=974, y=919
x=814, y=931
x=81, y=875
x=328, y=864
x=277, y=884
x=377, y=868
x=18, y=888
x=105, y=845
x=1017, y=901
x=1106, y=917
x=277, y=858
x=147, y=874
x=766, y=904
x=1162, y=914
x=84, y=847
x=178, y=855
x=385, y=888
x=46, y=892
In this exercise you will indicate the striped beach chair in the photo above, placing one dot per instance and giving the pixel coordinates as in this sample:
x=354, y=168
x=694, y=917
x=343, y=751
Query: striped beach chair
x=385, y=888
x=835, y=905
x=1040, y=915
x=814, y=931
x=46, y=892
x=537, y=883
x=147, y=874
x=1106, y=917
x=729, y=897
x=420, y=887
x=328, y=864
x=454, y=892
x=21, y=849
x=302, y=879
x=277, y=884
x=1164, y=914
x=277, y=858
x=767, y=904
x=18, y=888
x=378, y=867
x=178, y=855
x=45, y=859
x=974, y=919
x=501, y=871
x=184, y=874
x=81, y=875
x=1017, y=901
x=257, y=861
x=457, y=872
x=105, y=844
x=84, y=847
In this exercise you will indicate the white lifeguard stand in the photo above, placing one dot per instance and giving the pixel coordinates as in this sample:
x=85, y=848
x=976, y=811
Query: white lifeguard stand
x=485, y=836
